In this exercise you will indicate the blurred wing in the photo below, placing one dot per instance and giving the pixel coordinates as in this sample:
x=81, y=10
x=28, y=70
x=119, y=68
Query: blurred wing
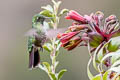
x=51, y=33
x=31, y=32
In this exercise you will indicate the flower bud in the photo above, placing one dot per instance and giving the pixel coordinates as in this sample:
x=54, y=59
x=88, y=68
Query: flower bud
x=111, y=17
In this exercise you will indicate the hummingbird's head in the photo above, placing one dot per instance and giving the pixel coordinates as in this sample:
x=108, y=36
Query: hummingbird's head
x=38, y=18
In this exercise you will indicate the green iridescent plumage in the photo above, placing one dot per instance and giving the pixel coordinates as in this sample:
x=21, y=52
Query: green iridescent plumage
x=31, y=40
x=36, y=39
x=38, y=22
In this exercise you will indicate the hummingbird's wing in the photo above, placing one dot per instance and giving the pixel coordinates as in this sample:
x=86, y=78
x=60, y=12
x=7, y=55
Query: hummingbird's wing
x=52, y=33
x=31, y=32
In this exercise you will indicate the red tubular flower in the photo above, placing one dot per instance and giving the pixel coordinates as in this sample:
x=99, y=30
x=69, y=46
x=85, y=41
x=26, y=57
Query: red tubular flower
x=77, y=27
x=69, y=40
x=67, y=36
x=71, y=44
x=60, y=35
x=76, y=16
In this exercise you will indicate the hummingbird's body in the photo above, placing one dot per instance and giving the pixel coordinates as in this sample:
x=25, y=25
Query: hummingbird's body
x=37, y=37
x=36, y=40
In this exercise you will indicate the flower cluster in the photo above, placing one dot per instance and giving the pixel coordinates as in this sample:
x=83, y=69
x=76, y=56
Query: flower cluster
x=91, y=28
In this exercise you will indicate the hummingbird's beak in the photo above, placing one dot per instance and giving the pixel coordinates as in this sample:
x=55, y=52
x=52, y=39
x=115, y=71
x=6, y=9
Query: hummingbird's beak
x=48, y=17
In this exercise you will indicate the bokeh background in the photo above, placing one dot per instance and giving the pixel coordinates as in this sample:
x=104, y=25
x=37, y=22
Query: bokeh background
x=15, y=20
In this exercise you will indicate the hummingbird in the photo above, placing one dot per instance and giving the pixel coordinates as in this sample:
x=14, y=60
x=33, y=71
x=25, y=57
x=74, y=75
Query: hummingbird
x=37, y=36
x=36, y=39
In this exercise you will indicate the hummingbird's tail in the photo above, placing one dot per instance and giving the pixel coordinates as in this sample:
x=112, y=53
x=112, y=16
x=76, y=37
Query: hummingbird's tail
x=34, y=58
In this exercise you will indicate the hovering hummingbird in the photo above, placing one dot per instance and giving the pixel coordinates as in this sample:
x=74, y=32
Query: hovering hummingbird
x=36, y=40
x=38, y=35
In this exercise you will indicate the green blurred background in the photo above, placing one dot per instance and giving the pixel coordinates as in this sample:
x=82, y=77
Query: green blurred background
x=15, y=20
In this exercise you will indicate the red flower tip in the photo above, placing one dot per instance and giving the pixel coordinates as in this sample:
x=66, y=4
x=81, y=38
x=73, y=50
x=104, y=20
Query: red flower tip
x=67, y=36
x=76, y=16
x=58, y=35
x=67, y=17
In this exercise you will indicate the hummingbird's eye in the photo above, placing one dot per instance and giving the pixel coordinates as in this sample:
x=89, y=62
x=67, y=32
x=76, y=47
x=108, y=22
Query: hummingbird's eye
x=39, y=19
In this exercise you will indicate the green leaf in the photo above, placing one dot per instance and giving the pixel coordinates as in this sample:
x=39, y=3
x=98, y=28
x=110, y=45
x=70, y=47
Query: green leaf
x=60, y=74
x=117, y=53
x=57, y=53
x=105, y=75
x=88, y=70
x=57, y=42
x=115, y=69
x=116, y=63
x=56, y=63
x=115, y=57
x=48, y=7
x=57, y=4
x=46, y=13
x=53, y=59
x=95, y=39
x=97, y=77
x=53, y=77
x=101, y=52
x=94, y=57
x=47, y=66
x=114, y=44
x=58, y=47
x=47, y=47
x=54, y=2
x=42, y=67
x=106, y=56
x=63, y=12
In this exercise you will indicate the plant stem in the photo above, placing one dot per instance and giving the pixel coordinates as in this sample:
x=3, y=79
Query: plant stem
x=53, y=53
